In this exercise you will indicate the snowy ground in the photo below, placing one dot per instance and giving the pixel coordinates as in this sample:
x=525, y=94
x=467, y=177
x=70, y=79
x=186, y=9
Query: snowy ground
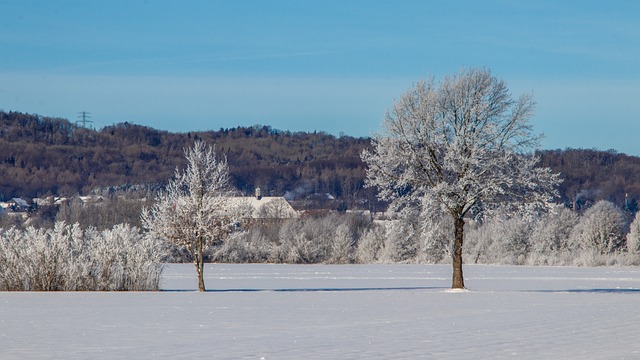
x=337, y=312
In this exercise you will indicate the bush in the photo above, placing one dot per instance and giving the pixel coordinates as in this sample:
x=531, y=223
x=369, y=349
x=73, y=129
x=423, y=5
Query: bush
x=401, y=242
x=66, y=258
x=600, y=229
x=370, y=244
x=327, y=238
x=499, y=241
x=561, y=237
x=633, y=238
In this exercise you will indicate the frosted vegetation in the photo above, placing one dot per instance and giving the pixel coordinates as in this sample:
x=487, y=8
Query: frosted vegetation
x=69, y=258
x=603, y=235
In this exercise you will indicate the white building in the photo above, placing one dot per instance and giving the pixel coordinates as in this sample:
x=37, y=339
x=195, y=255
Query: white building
x=264, y=208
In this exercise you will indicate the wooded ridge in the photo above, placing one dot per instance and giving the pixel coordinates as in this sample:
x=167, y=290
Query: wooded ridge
x=42, y=156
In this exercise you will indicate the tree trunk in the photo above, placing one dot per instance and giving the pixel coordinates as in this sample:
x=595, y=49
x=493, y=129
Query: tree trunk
x=201, y=276
x=199, y=260
x=458, y=279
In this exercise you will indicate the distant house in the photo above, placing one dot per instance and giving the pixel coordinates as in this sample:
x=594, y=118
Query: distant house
x=265, y=208
x=50, y=201
x=91, y=199
x=18, y=204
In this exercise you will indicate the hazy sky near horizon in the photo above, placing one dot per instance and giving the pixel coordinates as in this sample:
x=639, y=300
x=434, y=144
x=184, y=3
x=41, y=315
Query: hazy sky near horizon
x=331, y=66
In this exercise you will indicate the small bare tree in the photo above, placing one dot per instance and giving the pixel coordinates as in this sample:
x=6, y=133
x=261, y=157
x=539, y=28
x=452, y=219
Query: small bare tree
x=463, y=145
x=195, y=210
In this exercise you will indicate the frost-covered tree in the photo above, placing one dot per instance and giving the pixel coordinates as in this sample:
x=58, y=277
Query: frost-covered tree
x=401, y=243
x=370, y=244
x=342, y=246
x=550, y=238
x=500, y=240
x=633, y=238
x=600, y=228
x=195, y=210
x=464, y=145
x=435, y=244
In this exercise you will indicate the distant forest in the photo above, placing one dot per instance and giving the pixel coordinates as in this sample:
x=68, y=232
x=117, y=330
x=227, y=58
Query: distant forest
x=42, y=156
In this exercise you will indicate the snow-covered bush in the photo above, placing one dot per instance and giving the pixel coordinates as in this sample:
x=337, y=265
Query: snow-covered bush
x=68, y=258
x=499, y=241
x=342, y=246
x=401, y=243
x=243, y=247
x=633, y=238
x=413, y=236
x=552, y=231
x=325, y=238
x=550, y=239
x=125, y=259
x=302, y=242
x=601, y=229
x=370, y=244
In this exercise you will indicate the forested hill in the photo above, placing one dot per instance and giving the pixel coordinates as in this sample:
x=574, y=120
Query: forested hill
x=42, y=156
x=591, y=175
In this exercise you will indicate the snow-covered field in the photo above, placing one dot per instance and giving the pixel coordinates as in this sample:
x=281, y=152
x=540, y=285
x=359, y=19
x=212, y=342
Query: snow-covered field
x=337, y=312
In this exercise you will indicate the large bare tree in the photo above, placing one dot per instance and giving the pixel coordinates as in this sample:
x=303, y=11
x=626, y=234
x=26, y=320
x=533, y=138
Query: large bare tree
x=462, y=145
x=195, y=210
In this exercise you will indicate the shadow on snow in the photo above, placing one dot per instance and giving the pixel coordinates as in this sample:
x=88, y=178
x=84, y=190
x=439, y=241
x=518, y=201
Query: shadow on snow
x=411, y=288
x=592, y=291
x=405, y=288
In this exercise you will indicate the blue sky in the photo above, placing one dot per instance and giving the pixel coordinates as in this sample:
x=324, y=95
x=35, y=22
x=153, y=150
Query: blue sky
x=329, y=65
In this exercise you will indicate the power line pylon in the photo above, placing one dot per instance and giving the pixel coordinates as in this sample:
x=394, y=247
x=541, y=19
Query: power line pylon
x=84, y=117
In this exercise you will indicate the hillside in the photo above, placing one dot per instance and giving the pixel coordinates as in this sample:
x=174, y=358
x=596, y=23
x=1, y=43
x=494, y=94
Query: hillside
x=591, y=175
x=42, y=155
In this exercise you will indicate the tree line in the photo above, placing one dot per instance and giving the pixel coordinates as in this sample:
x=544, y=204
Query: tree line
x=42, y=156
